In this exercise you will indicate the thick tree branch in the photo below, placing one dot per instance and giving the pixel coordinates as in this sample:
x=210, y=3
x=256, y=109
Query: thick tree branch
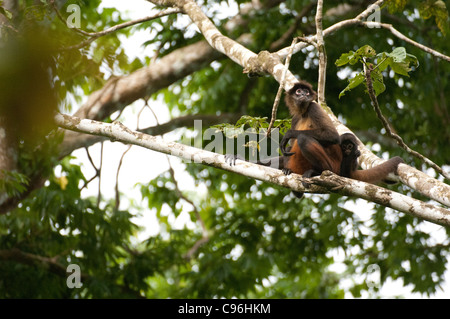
x=261, y=63
x=408, y=175
x=75, y=140
x=417, y=180
x=118, y=132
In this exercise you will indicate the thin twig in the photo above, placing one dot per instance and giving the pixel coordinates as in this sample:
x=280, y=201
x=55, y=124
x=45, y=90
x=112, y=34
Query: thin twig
x=205, y=236
x=126, y=151
x=280, y=88
x=97, y=171
x=99, y=197
x=61, y=18
x=322, y=54
x=363, y=15
x=358, y=21
x=88, y=181
x=403, y=37
x=388, y=127
x=310, y=41
x=289, y=33
x=95, y=35
x=117, y=177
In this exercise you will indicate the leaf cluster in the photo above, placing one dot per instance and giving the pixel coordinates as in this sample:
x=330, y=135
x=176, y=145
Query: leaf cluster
x=398, y=60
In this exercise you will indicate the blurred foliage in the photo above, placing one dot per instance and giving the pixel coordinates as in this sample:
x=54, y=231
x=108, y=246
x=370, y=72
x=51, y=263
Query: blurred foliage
x=262, y=241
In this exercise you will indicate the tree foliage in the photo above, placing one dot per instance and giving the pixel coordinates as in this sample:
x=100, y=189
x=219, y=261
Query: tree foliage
x=257, y=240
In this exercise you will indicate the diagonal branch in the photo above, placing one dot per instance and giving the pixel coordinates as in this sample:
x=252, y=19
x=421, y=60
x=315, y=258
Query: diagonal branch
x=75, y=140
x=262, y=63
x=280, y=89
x=118, y=132
x=290, y=32
x=95, y=35
x=401, y=36
x=387, y=125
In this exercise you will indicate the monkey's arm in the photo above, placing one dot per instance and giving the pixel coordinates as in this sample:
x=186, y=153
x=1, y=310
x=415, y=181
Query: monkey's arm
x=324, y=137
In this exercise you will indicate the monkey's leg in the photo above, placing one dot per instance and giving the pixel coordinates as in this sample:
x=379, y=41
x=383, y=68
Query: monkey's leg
x=313, y=151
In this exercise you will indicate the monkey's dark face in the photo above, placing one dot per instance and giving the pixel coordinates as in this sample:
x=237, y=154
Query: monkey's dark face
x=347, y=148
x=299, y=98
x=303, y=95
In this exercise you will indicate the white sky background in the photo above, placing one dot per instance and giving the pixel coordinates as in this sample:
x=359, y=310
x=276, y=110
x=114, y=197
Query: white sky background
x=142, y=165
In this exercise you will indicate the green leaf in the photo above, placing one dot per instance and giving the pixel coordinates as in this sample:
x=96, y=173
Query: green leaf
x=399, y=61
x=230, y=130
x=401, y=68
x=365, y=51
x=13, y=183
x=377, y=82
x=412, y=59
x=357, y=80
x=398, y=54
x=344, y=58
x=6, y=13
x=385, y=61
x=396, y=5
x=438, y=9
x=352, y=58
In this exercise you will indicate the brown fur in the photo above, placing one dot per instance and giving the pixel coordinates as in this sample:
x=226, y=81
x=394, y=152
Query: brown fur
x=307, y=115
x=349, y=166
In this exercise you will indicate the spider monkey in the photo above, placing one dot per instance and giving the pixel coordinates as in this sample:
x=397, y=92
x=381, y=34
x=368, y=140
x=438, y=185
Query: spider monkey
x=318, y=145
x=349, y=164
x=350, y=154
x=317, y=148
x=317, y=140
